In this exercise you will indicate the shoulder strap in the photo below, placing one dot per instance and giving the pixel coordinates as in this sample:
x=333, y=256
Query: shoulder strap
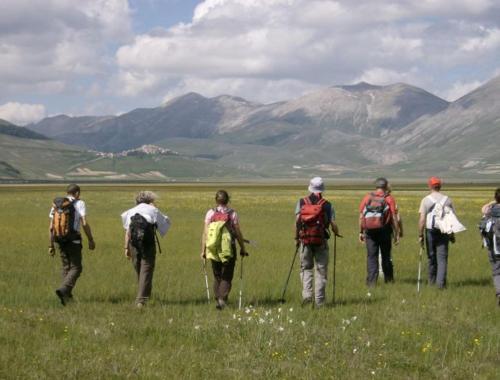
x=307, y=201
x=321, y=202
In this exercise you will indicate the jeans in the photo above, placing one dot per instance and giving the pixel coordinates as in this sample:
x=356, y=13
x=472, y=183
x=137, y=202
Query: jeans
x=437, y=252
x=379, y=241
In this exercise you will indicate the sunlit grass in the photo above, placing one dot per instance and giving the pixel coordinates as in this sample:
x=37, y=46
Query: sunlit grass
x=389, y=332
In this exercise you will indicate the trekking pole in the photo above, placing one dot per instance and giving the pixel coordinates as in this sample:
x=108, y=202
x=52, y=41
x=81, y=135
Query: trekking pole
x=419, y=268
x=335, y=236
x=241, y=282
x=380, y=269
x=157, y=242
x=204, y=266
x=282, y=300
x=334, y=264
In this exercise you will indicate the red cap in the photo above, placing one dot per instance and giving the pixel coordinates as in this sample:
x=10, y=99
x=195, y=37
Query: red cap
x=434, y=181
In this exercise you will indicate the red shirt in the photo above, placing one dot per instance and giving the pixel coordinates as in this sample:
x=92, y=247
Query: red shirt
x=391, y=202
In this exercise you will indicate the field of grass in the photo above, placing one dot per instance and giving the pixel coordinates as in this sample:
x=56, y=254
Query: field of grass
x=393, y=332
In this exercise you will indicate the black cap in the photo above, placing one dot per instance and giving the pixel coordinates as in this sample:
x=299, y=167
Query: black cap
x=381, y=183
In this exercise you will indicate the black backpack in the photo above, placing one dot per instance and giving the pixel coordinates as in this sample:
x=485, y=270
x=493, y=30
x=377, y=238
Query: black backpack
x=489, y=226
x=142, y=233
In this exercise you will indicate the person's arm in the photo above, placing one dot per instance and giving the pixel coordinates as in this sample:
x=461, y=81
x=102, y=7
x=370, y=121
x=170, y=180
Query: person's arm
x=486, y=208
x=394, y=217
x=361, y=229
x=204, y=241
x=395, y=228
x=52, y=249
x=240, y=239
x=126, y=244
x=421, y=228
x=88, y=232
x=335, y=228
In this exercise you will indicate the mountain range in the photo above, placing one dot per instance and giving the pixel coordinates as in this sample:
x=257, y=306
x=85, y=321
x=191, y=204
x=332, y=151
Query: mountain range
x=350, y=131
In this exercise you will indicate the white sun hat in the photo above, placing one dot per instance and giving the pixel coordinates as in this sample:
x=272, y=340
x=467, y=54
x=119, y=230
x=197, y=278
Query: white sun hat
x=316, y=185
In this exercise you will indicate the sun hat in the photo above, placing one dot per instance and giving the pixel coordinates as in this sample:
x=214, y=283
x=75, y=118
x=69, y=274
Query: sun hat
x=316, y=185
x=434, y=181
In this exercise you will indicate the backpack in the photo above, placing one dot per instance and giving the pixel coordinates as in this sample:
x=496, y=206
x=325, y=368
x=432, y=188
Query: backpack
x=489, y=226
x=219, y=244
x=375, y=212
x=63, y=221
x=442, y=218
x=311, y=222
x=142, y=233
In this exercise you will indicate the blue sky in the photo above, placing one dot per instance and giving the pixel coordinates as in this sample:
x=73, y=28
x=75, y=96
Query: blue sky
x=99, y=57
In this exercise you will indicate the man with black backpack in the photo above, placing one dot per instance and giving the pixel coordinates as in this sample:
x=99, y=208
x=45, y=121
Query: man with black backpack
x=314, y=216
x=378, y=222
x=140, y=224
x=67, y=215
x=490, y=230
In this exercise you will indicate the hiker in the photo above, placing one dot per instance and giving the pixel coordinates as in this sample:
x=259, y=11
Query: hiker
x=378, y=223
x=67, y=215
x=218, y=244
x=140, y=224
x=314, y=216
x=399, y=221
x=491, y=235
x=436, y=241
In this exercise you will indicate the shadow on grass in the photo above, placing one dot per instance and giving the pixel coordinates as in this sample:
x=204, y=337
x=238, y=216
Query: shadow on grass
x=472, y=282
x=355, y=301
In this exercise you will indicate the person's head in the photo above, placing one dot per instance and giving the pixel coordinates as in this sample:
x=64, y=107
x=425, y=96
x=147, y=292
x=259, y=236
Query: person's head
x=316, y=185
x=145, y=197
x=434, y=183
x=222, y=198
x=73, y=189
x=497, y=195
x=381, y=183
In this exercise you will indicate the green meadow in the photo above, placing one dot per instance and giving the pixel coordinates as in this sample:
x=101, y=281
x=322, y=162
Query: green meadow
x=387, y=332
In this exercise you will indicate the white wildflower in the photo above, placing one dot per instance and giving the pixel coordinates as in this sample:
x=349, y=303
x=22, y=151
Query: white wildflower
x=303, y=323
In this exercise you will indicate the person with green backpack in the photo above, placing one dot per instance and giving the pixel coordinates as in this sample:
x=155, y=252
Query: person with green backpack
x=218, y=244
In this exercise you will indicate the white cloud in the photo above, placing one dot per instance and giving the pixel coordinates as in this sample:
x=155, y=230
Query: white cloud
x=285, y=46
x=22, y=114
x=263, y=90
x=381, y=76
x=460, y=89
x=57, y=41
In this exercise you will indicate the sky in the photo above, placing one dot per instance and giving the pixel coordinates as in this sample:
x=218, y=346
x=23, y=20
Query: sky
x=107, y=57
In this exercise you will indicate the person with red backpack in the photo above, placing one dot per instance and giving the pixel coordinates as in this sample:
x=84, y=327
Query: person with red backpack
x=378, y=222
x=314, y=217
x=222, y=222
x=67, y=215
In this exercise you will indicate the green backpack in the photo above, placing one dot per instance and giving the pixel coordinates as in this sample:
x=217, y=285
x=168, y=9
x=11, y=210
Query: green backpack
x=220, y=242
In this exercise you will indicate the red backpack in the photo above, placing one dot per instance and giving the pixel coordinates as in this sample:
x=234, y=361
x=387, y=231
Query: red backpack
x=375, y=212
x=311, y=222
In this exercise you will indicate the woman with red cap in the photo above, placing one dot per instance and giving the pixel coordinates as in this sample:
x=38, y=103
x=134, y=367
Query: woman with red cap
x=436, y=242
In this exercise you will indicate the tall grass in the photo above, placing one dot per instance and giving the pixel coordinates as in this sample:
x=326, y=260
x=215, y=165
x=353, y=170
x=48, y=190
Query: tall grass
x=388, y=332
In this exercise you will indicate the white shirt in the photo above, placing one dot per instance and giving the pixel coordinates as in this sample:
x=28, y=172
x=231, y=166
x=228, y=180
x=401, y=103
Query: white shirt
x=80, y=211
x=150, y=213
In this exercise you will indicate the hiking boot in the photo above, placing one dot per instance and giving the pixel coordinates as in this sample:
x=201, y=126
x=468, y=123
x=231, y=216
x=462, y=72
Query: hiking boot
x=62, y=297
x=306, y=301
x=498, y=300
x=221, y=304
